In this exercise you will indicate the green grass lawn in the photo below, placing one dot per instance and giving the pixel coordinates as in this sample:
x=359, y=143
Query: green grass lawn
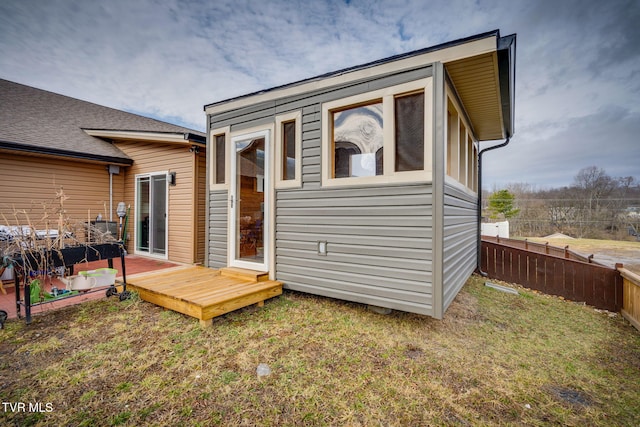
x=496, y=358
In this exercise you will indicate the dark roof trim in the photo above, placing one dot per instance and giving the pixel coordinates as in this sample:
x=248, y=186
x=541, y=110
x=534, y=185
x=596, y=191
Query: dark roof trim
x=186, y=136
x=367, y=65
x=195, y=138
x=507, y=77
x=64, y=153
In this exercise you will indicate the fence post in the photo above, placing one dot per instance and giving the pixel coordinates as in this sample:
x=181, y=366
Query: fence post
x=526, y=244
x=546, y=248
x=566, y=251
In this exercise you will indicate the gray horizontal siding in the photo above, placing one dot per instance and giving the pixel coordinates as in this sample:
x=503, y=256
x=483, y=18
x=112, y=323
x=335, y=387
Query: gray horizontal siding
x=459, y=241
x=379, y=239
x=379, y=248
x=218, y=229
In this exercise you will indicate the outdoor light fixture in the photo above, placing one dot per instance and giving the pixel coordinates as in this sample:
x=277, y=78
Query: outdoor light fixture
x=122, y=212
x=122, y=209
x=172, y=178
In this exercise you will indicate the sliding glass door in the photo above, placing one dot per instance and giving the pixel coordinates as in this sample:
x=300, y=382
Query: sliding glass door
x=151, y=214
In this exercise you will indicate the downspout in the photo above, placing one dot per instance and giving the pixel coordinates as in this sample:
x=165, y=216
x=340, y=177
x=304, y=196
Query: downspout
x=110, y=195
x=479, y=210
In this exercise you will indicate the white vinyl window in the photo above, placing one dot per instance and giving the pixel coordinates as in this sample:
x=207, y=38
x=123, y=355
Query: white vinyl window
x=288, y=145
x=219, y=141
x=461, y=152
x=379, y=136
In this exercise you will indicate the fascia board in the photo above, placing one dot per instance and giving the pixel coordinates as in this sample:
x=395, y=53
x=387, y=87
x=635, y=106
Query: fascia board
x=174, y=138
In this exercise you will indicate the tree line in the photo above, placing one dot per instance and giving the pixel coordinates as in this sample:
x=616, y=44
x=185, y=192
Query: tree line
x=596, y=205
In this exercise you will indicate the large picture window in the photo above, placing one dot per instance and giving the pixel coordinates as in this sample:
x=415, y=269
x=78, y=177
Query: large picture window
x=380, y=136
x=358, y=141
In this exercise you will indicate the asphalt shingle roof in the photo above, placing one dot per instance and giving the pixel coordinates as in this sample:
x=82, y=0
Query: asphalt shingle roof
x=31, y=117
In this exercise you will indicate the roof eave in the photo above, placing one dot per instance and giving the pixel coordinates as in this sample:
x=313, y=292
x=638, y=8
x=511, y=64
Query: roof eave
x=162, y=137
x=48, y=151
x=507, y=80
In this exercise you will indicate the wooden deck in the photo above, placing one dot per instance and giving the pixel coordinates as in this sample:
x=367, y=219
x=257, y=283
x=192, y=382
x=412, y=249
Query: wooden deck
x=204, y=293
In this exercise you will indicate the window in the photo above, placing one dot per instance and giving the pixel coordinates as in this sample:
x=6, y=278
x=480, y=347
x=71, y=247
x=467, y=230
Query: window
x=288, y=150
x=380, y=136
x=218, y=159
x=220, y=164
x=357, y=136
x=461, y=153
x=409, y=119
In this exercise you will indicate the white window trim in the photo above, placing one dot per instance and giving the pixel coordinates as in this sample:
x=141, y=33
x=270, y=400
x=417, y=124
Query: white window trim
x=279, y=166
x=226, y=131
x=390, y=175
x=461, y=118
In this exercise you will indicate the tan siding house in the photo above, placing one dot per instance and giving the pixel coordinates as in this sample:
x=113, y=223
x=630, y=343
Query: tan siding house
x=185, y=217
x=29, y=181
x=98, y=157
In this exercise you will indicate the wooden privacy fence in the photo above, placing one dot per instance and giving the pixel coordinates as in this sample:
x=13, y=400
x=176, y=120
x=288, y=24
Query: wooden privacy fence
x=631, y=297
x=576, y=280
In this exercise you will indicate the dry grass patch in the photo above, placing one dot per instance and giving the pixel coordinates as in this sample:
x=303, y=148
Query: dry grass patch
x=494, y=359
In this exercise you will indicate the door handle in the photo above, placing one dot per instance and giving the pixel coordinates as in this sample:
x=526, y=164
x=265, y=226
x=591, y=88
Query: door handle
x=231, y=202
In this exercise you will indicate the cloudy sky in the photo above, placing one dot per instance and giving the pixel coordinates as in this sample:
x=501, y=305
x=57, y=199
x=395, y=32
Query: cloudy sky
x=578, y=62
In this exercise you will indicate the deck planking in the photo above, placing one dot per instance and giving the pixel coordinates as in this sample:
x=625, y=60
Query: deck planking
x=205, y=293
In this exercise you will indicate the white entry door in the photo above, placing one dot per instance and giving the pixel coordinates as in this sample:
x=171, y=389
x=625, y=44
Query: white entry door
x=249, y=232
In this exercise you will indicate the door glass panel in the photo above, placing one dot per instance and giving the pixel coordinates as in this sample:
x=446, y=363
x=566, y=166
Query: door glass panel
x=159, y=229
x=143, y=215
x=250, y=190
x=151, y=214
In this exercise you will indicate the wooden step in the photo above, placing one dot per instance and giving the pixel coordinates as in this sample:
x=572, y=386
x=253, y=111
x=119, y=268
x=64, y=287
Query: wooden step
x=245, y=274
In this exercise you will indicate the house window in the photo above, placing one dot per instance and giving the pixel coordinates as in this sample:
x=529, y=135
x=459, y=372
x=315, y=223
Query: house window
x=218, y=159
x=358, y=141
x=461, y=153
x=409, y=119
x=288, y=150
x=220, y=163
x=380, y=136
x=462, y=150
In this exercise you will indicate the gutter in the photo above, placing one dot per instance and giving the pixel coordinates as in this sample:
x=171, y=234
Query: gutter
x=506, y=52
x=479, y=210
